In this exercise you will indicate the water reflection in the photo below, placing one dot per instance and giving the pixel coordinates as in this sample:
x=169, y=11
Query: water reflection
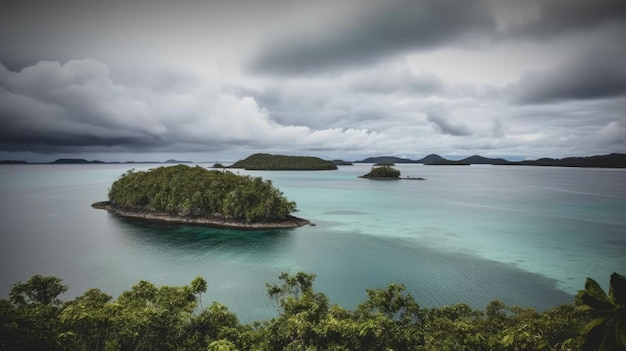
x=199, y=239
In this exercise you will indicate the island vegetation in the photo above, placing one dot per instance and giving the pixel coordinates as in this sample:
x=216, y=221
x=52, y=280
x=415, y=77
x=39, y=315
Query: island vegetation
x=196, y=195
x=283, y=163
x=382, y=172
x=149, y=317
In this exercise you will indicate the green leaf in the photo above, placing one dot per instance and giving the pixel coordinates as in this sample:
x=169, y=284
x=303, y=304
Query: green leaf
x=617, y=289
x=620, y=334
x=594, y=323
x=595, y=297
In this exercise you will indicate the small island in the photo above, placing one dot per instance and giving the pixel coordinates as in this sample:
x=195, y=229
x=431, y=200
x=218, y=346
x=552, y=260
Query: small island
x=194, y=195
x=383, y=172
x=267, y=162
x=386, y=173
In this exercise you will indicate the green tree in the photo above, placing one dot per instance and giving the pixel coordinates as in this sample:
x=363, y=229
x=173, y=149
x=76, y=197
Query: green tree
x=221, y=345
x=89, y=321
x=152, y=318
x=38, y=289
x=199, y=286
x=30, y=317
x=194, y=191
x=607, y=331
x=383, y=172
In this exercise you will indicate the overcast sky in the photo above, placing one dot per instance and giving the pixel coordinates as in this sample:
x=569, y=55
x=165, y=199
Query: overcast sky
x=219, y=80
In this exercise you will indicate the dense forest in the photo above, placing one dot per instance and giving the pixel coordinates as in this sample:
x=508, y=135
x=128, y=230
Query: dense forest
x=383, y=172
x=195, y=191
x=283, y=163
x=148, y=317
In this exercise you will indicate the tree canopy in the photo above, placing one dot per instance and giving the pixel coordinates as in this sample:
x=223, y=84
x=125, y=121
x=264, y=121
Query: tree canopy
x=195, y=191
x=282, y=163
x=149, y=317
x=383, y=172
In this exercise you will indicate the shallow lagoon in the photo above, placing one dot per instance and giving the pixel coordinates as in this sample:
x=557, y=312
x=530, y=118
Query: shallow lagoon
x=525, y=235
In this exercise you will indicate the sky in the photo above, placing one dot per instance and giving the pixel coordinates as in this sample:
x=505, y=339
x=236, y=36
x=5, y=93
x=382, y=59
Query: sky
x=219, y=80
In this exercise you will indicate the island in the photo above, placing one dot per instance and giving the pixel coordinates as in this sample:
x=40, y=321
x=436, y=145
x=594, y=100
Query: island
x=268, y=162
x=382, y=172
x=195, y=195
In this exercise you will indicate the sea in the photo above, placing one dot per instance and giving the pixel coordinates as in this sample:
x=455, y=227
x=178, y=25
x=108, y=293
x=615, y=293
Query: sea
x=528, y=236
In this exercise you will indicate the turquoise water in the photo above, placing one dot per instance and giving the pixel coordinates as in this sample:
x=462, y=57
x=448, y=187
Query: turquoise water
x=528, y=236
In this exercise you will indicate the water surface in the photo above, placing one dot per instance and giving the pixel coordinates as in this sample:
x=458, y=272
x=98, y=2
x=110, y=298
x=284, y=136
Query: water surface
x=525, y=235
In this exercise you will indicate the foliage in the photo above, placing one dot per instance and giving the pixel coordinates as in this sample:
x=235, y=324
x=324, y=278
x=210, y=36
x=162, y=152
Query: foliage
x=607, y=331
x=148, y=317
x=282, y=162
x=383, y=172
x=195, y=191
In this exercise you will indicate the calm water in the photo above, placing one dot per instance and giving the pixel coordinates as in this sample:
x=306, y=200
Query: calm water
x=526, y=235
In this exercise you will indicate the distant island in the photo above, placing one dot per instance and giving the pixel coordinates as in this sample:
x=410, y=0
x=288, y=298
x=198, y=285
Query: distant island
x=613, y=160
x=195, y=195
x=382, y=172
x=267, y=162
x=386, y=173
x=278, y=162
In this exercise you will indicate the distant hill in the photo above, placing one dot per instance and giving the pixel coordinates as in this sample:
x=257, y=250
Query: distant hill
x=385, y=159
x=176, y=161
x=432, y=158
x=74, y=161
x=13, y=162
x=480, y=160
x=602, y=161
x=283, y=163
x=444, y=162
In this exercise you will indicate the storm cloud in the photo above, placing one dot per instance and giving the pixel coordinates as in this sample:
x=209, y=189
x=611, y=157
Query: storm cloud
x=382, y=30
x=595, y=74
x=334, y=79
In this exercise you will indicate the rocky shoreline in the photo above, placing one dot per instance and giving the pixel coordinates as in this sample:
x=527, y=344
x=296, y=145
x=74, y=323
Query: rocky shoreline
x=288, y=222
x=392, y=178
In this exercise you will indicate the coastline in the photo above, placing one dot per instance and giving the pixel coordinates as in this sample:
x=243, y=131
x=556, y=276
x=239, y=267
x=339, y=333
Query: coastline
x=392, y=178
x=287, y=223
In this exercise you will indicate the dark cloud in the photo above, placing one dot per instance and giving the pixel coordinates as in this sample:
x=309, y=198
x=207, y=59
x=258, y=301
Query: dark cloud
x=374, y=76
x=389, y=28
x=556, y=17
x=446, y=125
x=53, y=107
x=595, y=74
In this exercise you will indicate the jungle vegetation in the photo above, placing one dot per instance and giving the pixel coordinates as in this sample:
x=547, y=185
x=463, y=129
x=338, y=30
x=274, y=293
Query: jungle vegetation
x=283, y=163
x=149, y=317
x=383, y=172
x=195, y=191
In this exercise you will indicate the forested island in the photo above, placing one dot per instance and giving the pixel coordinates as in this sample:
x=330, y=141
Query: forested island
x=171, y=318
x=382, y=172
x=267, y=162
x=195, y=195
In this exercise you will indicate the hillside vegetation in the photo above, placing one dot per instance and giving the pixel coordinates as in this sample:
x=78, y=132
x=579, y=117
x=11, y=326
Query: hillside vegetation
x=195, y=191
x=172, y=318
x=283, y=163
x=383, y=172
